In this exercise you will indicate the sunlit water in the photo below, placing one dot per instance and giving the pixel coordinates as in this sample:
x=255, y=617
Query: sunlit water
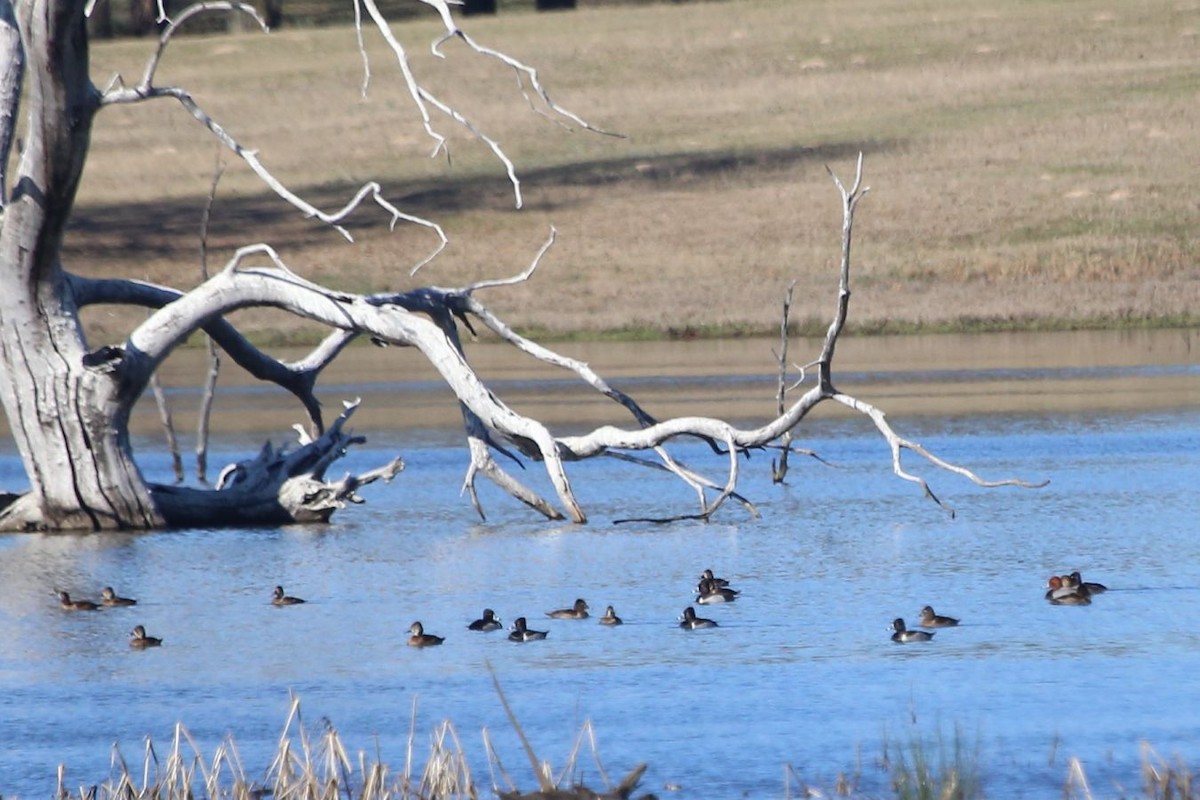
x=801, y=671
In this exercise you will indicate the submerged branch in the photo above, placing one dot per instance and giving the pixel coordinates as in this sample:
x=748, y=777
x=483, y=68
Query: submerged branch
x=278, y=486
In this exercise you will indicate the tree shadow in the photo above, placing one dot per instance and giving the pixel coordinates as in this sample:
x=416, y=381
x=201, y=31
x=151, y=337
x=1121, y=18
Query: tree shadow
x=169, y=229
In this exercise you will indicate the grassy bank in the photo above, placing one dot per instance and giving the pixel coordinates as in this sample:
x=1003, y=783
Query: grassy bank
x=1030, y=163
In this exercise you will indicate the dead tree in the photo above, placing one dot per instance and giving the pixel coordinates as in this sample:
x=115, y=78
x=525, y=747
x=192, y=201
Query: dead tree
x=68, y=401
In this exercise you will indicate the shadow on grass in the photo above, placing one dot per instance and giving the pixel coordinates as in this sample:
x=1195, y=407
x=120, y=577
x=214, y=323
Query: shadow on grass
x=169, y=229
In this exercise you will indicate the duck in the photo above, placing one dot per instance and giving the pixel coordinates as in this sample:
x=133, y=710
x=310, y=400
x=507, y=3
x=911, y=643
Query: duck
x=110, y=598
x=1054, y=584
x=488, y=622
x=1073, y=583
x=902, y=634
x=419, y=638
x=707, y=575
x=1090, y=586
x=68, y=604
x=691, y=622
x=1063, y=592
x=610, y=617
x=520, y=633
x=139, y=639
x=710, y=592
x=278, y=598
x=578, y=611
x=931, y=620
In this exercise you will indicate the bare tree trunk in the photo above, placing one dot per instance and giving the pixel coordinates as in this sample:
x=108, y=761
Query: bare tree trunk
x=67, y=418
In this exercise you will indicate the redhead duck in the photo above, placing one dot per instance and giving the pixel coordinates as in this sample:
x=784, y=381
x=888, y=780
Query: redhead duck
x=932, y=620
x=1090, y=586
x=610, y=617
x=710, y=592
x=110, y=598
x=577, y=611
x=1062, y=591
x=419, y=638
x=278, y=598
x=902, y=634
x=68, y=604
x=488, y=622
x=691, y=622
x=139, y=639
x=520, y=633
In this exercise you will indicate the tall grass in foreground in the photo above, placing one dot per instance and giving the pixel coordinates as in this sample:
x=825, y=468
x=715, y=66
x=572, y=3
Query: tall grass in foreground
x=319, y=767
x=308, y=767
x=313, y=768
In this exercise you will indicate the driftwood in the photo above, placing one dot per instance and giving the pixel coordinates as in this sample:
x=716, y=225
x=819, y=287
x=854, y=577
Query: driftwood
x=278, y=486
x=623, y=791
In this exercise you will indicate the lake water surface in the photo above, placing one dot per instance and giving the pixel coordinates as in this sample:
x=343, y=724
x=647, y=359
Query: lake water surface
x=801, y=671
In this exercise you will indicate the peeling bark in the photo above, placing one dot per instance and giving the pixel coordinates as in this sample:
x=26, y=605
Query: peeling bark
x=66, y=420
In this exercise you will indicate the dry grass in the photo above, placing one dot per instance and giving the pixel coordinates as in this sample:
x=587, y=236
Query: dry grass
x=1031, y=162
x=308, y=766
x=313, y=767
x=318, y=766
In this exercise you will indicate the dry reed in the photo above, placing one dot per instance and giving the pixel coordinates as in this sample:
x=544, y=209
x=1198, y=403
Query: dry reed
x=304, y=768
x=320, y=767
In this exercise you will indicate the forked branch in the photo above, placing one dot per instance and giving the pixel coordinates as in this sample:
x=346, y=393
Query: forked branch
x=424, y=100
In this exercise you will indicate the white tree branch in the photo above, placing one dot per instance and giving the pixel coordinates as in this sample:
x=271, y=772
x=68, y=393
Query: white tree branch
x=482, y=462
x=424, y=100
x=779, y=469
x=524, y=73
x=238, y=287
x=850, y=200
x=118, y=93
x=426, y=319
x=298, y=377
x=898, y=444
x=462, y=301
x=696, y=481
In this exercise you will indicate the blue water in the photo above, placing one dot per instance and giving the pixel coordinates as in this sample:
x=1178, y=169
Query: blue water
x=801, y=672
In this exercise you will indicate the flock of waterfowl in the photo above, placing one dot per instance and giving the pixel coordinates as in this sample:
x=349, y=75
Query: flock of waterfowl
x=137, y=637
x=1060, y=590
x=710, y=589
x=1072, y=590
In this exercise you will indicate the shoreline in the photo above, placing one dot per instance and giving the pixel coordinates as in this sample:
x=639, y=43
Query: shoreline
x=735, y=379
x=812, y=328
